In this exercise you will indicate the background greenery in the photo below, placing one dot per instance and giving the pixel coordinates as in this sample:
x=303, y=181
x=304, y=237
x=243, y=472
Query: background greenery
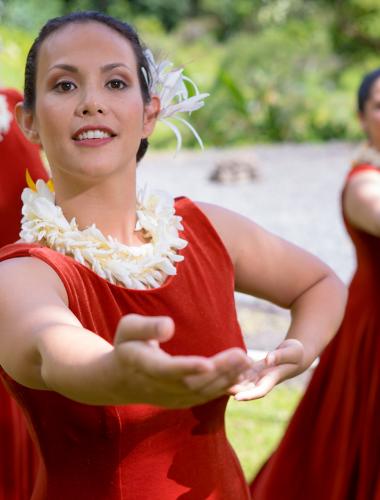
x=254, y=428
x=277, y=70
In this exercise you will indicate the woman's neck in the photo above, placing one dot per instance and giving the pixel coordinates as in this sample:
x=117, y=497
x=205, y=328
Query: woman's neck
x=108, y=203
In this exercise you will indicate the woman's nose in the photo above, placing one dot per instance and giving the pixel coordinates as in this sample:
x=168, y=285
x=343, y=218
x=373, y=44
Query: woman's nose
x=90, y=107
x=88, y=111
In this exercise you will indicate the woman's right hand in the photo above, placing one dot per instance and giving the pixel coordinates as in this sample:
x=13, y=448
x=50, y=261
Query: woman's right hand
x=147, y=374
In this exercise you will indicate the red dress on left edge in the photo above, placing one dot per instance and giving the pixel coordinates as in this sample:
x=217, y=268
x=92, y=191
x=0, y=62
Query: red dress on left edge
x=18, y=461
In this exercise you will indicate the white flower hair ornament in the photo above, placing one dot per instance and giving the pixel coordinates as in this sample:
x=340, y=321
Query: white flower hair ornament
x=169, y=85
x=5, y=117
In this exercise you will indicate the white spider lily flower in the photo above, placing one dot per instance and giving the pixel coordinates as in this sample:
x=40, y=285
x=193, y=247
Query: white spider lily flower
x=137, y=267
x=169, y=85
x=5, y=117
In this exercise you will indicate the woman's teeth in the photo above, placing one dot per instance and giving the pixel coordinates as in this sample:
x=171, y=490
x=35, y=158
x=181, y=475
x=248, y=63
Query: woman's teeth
x=93, y=134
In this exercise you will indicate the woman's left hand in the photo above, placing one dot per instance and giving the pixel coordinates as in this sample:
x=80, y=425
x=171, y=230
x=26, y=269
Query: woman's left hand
x=286, y=361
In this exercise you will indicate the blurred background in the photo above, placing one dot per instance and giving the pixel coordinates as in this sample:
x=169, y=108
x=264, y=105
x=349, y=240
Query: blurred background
x=278, y=70
x=279, y=128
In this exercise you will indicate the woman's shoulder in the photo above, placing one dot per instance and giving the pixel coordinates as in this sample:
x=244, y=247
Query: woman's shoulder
x=360, y=198
x=21, y=268
x=362, y=168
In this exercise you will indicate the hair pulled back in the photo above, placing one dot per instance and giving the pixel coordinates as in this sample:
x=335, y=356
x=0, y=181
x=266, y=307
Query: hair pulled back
x=365, y=88
x=120, y=27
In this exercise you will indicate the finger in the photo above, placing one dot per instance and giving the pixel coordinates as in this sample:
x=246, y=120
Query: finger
x=228, y=366
x=268, y=379
x=231, y=357
x=137, y=327
x=252, y=375
x=159, y=365
x=258, y=390
x=217, y=379
x=288, y=352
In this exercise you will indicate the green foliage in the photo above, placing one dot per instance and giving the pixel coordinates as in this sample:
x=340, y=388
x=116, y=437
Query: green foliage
x=170, y=12
x=29, y=15
x=254, y=428
x=14, y=44
x=279, y=70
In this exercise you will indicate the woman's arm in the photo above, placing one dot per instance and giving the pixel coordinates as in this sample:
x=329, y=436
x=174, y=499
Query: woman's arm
x=270, y=268
x=44, y=346
x=361, y=201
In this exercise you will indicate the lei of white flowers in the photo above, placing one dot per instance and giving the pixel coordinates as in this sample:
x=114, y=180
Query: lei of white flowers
x=5, y=117
x=367, y=154
x=137, y=267
x=169, y=85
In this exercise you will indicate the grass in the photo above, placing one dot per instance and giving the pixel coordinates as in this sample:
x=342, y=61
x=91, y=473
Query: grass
x=254, y=428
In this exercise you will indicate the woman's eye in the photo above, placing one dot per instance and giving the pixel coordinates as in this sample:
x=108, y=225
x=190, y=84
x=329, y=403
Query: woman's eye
x=116, y=84
x=64, y=86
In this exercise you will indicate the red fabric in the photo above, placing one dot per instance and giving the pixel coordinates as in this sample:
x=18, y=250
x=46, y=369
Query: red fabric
x=331, y=447
x=141, y=451
x=16, y=155
x=18, y=462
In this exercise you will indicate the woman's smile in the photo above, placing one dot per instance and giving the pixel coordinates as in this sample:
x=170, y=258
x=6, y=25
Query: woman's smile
x=93, y=136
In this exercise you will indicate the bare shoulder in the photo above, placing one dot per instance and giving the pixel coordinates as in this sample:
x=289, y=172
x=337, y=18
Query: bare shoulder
x=363, y=179
x=23, y=275
x=363, y=184
x=361, y=201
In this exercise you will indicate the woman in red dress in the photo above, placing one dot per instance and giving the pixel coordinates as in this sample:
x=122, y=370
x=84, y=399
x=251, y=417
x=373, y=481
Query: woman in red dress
x=122, y=350
x=331, y=447
x=18, y=461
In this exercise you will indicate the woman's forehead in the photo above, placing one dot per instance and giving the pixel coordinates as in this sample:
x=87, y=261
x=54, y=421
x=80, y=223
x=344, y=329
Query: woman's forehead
x=85, y=42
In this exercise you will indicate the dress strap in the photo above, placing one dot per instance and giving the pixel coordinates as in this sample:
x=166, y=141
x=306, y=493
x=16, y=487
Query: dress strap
x=362, y=167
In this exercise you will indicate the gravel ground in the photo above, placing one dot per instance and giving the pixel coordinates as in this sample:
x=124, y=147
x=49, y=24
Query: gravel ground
x=296, y=195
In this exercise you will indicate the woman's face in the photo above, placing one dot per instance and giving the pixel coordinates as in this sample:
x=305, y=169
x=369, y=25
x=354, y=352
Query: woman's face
x=370, y=118
x=89, y=113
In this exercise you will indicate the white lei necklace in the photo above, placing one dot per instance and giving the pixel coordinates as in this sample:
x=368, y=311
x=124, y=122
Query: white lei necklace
x=137, y=267
x=5, y=117
x=367, y=154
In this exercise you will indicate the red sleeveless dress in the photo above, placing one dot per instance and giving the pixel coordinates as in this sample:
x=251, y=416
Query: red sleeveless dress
x=331, y=449
x=17, y=457
x=140, y=452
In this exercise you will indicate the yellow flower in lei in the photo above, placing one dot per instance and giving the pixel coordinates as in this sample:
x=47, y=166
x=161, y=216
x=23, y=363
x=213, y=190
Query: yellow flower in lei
x=32, y=185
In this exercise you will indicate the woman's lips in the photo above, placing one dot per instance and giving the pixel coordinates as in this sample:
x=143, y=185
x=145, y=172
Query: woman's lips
x=93, y=142
x=93, y=136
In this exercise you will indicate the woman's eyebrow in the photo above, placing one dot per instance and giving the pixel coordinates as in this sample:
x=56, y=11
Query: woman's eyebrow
x=111, y=66
x=103, y=69
x=66, y=67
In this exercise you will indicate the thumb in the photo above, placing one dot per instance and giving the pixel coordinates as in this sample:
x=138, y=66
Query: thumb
x=143, y=328
x=289, y=351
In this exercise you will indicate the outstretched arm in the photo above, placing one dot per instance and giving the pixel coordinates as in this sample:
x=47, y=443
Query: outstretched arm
x=270, y=268
x=44, y=346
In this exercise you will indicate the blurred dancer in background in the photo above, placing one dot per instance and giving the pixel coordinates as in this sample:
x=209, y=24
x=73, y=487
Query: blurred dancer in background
x=331, y=447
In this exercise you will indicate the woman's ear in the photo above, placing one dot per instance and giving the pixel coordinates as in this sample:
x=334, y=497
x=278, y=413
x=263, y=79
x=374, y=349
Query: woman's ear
x=26, y=121
x=151, y=112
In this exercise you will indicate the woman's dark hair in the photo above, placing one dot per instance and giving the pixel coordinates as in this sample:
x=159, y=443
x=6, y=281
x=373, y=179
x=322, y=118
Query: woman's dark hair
x=365, y=88
x=82, y=17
